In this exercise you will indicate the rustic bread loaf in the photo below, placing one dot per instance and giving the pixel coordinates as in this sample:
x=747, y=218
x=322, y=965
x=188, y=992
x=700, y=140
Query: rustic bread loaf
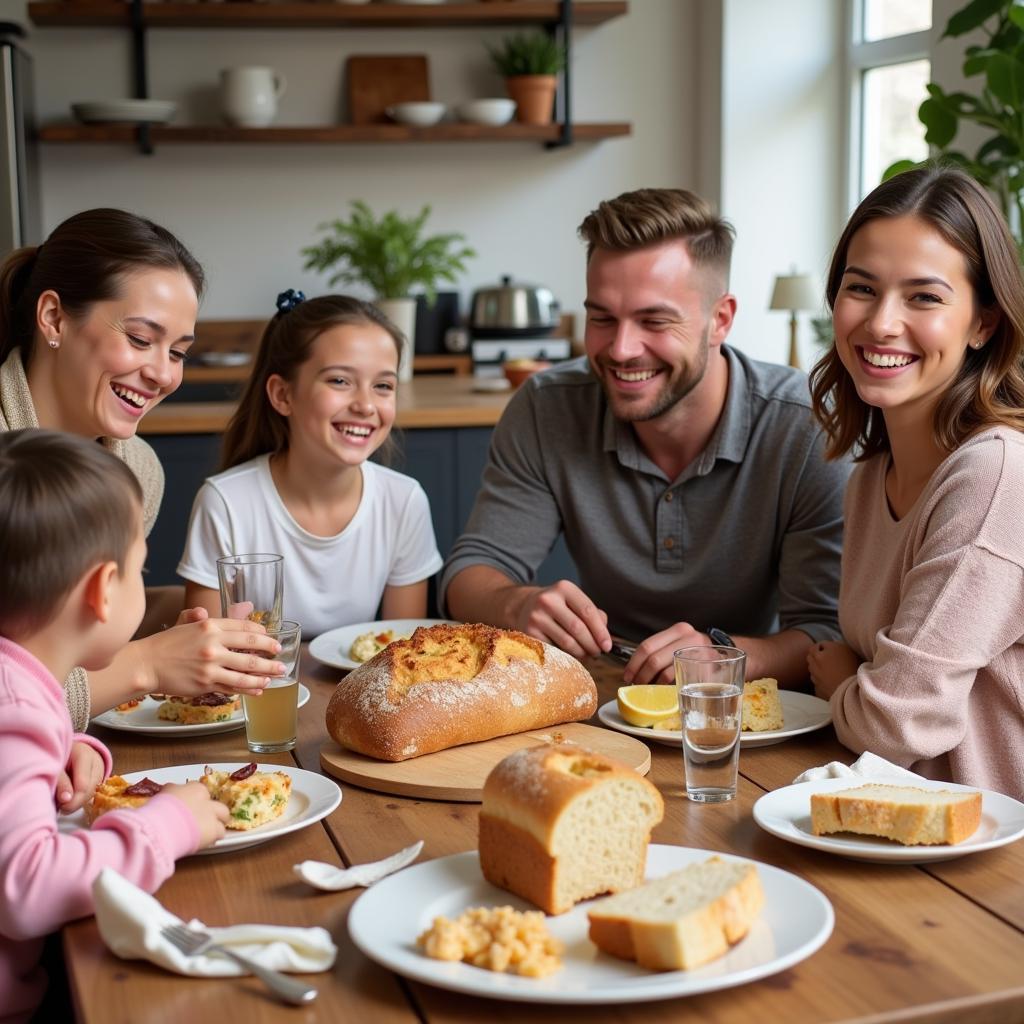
x=559, y=824
x=762, y=707
x=682, y=920
x=448, y=685
x=907, y=814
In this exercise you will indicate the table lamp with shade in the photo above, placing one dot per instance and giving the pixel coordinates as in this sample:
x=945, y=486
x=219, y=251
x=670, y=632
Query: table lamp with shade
x=795, y=292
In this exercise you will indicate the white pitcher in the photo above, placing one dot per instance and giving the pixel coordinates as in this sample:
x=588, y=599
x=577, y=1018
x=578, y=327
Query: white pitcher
x=249, y=95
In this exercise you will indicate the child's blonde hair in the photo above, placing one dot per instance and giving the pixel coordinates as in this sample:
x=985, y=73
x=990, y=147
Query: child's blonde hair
x=66, y=504
x=257, y=428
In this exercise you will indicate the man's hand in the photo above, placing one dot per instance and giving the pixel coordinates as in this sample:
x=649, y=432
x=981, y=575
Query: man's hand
x=564, y=616
x=84, y=773
x=652, y=660
x=828, y=664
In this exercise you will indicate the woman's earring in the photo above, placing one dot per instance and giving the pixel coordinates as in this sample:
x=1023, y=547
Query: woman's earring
x=54, y=343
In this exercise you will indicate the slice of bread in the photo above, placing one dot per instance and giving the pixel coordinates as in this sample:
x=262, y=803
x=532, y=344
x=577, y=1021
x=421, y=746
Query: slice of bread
x=682, y=920
x=762, y=708
x=907, y=814
x=559, y=824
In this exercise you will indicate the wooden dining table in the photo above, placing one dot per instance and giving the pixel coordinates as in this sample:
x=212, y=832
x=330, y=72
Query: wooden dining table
x=942, y=941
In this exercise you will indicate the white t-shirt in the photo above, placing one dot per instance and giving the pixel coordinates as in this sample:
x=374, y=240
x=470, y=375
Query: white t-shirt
x=328, y=581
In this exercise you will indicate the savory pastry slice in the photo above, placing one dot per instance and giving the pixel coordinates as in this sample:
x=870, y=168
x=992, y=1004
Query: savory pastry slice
x=201, y=709
x=116, y=793
x=252, y=798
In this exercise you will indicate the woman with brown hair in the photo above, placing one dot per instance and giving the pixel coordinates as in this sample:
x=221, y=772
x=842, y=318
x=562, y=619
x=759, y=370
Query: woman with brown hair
x=924, y=384
x=95, y=324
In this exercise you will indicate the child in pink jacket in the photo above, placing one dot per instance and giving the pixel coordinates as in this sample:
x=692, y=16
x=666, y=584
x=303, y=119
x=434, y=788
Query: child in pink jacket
x=71, y=593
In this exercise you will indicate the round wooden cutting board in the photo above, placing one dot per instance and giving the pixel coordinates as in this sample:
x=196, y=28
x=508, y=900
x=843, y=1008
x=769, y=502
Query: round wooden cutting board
x=459, y=773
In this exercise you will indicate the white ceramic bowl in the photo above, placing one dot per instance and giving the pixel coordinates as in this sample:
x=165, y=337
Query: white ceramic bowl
x=418, y=113
x=491, y=111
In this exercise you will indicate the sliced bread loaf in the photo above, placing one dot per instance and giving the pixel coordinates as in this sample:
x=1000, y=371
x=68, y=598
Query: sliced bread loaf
x=682, y=920
x=559, y=824
x=907, y=814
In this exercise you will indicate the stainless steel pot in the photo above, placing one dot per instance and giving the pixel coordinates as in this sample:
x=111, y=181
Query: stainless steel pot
x=513, y=310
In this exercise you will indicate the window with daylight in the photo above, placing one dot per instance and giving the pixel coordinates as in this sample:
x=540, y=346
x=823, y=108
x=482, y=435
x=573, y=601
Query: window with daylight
x=890, y=69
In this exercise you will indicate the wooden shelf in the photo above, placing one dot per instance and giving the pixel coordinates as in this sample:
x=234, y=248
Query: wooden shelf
x=83, y=13
x=337, y=133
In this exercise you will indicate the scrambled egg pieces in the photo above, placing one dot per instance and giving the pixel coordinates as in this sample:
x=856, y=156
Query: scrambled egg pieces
x=497, y=939
x=368, y=645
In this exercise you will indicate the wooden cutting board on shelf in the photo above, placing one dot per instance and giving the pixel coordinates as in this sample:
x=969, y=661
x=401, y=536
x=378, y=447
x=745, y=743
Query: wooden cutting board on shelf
x=374, y=83
x=459, y=772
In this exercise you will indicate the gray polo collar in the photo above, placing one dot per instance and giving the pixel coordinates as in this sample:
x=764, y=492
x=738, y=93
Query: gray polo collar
x=729, y=441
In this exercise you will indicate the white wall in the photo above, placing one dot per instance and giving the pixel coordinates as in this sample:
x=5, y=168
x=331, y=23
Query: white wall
x=246, y=210
x=781, y=156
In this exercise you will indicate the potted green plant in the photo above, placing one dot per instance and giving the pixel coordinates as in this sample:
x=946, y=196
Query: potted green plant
x=392, y=257
x=530, y=63
x=998, y=163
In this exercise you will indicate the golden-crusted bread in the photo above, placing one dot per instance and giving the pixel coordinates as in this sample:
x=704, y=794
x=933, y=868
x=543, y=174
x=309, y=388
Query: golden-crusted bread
x=907, y=814
x=560, y=824
x=252, y=799
x=762, y=708
x=206, y=707
x=447, y=685
x=116, y=793
x=681, y=920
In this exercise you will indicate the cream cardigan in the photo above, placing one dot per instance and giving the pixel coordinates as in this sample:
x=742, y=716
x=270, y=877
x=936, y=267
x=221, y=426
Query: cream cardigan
x=16, y=413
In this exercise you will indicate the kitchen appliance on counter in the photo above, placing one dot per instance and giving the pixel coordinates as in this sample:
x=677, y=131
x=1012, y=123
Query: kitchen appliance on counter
x=490, y=353
x=512, y=310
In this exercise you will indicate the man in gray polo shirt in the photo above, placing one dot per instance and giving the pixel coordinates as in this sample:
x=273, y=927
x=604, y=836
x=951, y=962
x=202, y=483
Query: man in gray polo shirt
x=689, y=480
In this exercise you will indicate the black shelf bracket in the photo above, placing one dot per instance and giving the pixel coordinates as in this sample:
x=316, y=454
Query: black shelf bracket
x=562, y=31
x=139, y=72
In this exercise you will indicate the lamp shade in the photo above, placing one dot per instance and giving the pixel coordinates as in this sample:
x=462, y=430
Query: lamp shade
x=795, y=291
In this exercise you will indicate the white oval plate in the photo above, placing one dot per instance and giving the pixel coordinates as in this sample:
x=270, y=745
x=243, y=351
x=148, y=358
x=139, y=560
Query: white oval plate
x=105, y=111
x=333, y=646
x=144, y=720
x=313, y=797
x=801, y=713
x=385, y=920
x=786, y=813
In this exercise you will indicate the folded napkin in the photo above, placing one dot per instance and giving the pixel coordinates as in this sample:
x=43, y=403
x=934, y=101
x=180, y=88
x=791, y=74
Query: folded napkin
x=334, y=879
x=867, y=765
x=130, y=921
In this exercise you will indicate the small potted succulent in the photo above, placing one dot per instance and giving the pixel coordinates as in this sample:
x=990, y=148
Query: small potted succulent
x=530, y=63
x=390, y=256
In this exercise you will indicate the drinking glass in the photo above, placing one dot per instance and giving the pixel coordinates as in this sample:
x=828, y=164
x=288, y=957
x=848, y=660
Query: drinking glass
x=252, y=587
x=272, y=719
x=710, y=685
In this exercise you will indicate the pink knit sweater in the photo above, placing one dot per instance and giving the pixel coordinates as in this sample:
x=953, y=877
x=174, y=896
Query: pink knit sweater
x=934, y=605
x=46, y=875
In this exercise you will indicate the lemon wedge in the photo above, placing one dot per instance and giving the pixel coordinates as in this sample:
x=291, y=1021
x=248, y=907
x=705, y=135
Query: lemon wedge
x=647, y=705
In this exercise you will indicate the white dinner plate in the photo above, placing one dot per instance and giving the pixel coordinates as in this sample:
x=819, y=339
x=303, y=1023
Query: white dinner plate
x=786, y=813
x=313, y=797
x=800, y=712
x=138, y=111
x=385, y=920
x=333, y=646
x=144, y=720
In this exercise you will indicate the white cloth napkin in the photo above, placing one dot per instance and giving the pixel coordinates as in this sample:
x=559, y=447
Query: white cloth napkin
x=867, y=765
x=130, y=921
x=334, y=879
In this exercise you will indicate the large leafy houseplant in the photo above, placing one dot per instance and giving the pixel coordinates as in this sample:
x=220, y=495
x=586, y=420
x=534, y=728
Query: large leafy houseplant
x=390, y=255
x=998, y=62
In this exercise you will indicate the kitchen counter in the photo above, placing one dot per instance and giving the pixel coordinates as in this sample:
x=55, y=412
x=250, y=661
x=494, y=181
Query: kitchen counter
x=425, y=401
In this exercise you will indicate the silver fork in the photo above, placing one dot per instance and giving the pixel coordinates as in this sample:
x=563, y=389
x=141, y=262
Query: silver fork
x=192, y=942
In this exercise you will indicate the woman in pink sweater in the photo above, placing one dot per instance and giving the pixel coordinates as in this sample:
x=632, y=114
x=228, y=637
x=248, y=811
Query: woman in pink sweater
x=924, y=384
x=71, y=554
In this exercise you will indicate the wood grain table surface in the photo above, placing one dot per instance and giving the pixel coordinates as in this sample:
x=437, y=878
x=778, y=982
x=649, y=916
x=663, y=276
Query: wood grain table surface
x=942, y=942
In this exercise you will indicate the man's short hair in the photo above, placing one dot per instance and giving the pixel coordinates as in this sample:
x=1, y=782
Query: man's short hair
x=649, y=216
x=66, y=504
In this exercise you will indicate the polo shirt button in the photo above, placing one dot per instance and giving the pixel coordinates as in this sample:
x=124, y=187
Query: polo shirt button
x=669, y=543
x=668, y=495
